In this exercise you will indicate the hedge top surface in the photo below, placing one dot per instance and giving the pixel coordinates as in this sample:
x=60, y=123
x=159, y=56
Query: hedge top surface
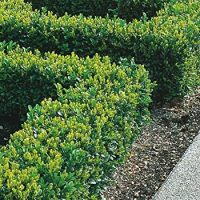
x=161, y=44
x=26, y=78
x=55, y=29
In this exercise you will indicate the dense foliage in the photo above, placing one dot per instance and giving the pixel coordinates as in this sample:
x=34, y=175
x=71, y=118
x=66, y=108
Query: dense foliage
x=86, y=7
x=126, y=9
x=87, y=98
x=69, y=147
x=162, y=44
x=35, y=76
x=131, y=9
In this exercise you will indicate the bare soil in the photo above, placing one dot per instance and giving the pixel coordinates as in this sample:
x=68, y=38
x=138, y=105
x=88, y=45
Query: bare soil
x=157, y=150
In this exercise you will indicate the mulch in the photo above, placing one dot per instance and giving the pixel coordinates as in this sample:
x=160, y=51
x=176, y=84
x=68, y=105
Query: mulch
x=157, y=150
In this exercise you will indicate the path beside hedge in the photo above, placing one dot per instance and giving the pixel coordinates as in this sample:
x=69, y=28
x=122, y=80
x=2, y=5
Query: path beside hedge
x=157, y=151
x=184, y=181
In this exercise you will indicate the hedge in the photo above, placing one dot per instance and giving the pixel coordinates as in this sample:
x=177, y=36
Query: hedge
x=161, y=44
x=68, y=148
x=86, y=7
x=131, y=9
x=126, y=9
x=26, y=78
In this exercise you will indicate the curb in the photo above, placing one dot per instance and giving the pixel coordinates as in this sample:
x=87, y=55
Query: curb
x=183, y=183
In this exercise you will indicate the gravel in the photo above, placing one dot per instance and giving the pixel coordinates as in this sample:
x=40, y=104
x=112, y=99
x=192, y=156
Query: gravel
x=157, y=150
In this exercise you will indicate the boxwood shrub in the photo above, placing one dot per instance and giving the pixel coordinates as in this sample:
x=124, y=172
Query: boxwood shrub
x=86, y=7
x=68, y=147
x=126, y=9
x=161, y=44
x=26, y=78
x=131, y=9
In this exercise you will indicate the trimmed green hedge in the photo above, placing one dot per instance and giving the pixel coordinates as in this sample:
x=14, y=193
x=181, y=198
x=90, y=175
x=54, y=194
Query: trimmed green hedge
x=69, y=147
x=86, y=7
x=161, y=44
x=130, y=9
x=27, y=78
x=126, y=9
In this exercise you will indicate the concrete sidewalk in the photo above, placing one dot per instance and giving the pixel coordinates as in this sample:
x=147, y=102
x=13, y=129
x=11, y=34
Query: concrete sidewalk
x=184, y=181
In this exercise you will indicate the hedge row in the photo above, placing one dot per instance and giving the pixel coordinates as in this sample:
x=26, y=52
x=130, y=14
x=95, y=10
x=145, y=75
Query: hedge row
x=27, y=78
x=162, y=44
x=126, y=9
x=86, y=7
x=68, y=148
x=131, y=9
